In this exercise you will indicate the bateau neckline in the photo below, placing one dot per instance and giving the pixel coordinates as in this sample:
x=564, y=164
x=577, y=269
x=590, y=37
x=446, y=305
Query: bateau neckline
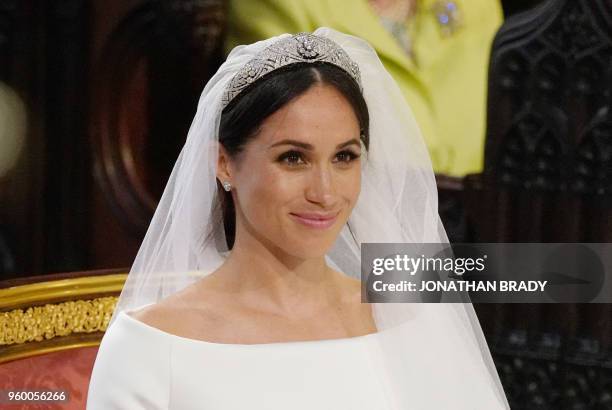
x=341, y=340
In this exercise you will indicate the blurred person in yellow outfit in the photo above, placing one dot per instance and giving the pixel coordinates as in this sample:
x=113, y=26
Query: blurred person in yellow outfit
x=436, y=50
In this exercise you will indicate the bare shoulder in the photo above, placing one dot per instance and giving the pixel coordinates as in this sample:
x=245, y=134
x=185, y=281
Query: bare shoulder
x=161, y=315
x=189, y=313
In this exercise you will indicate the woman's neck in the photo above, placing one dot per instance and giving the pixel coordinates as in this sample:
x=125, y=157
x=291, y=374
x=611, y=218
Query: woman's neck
x=291, y=284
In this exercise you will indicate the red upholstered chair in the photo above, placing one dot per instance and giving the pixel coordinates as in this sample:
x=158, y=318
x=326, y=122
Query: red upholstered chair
x=50, y=330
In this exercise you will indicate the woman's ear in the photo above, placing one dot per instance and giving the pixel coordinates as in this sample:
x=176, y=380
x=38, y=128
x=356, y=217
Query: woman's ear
x=224, y=173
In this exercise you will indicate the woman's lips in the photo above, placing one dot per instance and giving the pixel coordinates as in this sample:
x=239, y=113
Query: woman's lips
x=317, y=221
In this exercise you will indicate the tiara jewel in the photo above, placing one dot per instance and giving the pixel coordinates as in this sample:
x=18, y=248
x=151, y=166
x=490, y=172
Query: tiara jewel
x=299, y=48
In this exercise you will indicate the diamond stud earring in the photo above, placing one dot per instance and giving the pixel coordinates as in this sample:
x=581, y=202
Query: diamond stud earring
x=227, y=186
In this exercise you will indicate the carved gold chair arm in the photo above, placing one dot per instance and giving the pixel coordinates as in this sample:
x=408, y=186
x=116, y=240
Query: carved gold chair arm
x=52, y=315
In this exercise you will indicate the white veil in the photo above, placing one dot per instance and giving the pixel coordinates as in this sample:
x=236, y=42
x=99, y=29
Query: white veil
x=431, y=355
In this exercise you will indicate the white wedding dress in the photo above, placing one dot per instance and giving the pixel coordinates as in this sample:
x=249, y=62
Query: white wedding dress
x=141, y=367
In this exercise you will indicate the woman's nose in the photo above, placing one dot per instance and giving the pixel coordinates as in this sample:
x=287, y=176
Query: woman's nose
x=321, y=188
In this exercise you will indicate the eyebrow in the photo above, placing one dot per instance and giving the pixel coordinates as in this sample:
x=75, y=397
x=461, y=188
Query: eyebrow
x=309, y=147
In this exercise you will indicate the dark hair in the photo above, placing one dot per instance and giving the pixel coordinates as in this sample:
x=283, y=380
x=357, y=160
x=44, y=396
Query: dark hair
x=242, y=118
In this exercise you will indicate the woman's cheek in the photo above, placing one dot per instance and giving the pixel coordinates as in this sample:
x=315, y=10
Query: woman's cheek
x=350, y=184
x=271, y=195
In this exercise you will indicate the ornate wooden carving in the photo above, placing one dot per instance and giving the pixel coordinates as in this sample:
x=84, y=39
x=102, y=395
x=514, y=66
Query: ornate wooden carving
x=552, y=375
x=548, y=178
x=549, y=120
x=549, y=139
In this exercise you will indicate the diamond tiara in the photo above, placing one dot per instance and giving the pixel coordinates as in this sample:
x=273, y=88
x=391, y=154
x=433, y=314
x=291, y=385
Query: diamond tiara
x=299, y=48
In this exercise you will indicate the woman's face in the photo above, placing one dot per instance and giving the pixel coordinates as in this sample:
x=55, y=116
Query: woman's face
x=297, y=181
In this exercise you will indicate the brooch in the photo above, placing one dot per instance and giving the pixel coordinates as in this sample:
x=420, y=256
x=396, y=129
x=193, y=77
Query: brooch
x=448, y=15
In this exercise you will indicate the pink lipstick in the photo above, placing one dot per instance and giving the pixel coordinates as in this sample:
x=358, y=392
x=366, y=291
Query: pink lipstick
x=317, y=221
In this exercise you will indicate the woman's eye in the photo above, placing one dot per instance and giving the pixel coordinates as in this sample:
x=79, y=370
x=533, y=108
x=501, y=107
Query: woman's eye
x=346, y=156
x=292, y=158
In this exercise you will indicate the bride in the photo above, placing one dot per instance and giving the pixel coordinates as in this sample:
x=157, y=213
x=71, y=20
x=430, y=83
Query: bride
x=246, y=291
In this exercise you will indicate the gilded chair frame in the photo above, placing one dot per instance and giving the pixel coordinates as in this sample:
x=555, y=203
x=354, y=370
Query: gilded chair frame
x=51, y=313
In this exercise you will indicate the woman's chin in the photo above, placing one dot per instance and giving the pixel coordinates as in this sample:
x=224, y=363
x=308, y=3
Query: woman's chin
x=309, y=243
x=309, y=248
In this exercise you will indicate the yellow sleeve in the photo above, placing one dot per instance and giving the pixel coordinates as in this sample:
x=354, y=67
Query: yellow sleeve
x=254, y=20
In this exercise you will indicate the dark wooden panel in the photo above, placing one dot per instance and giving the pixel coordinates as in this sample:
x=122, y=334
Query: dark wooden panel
x=548, y=178
x=110, y=88
x=151, y=66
